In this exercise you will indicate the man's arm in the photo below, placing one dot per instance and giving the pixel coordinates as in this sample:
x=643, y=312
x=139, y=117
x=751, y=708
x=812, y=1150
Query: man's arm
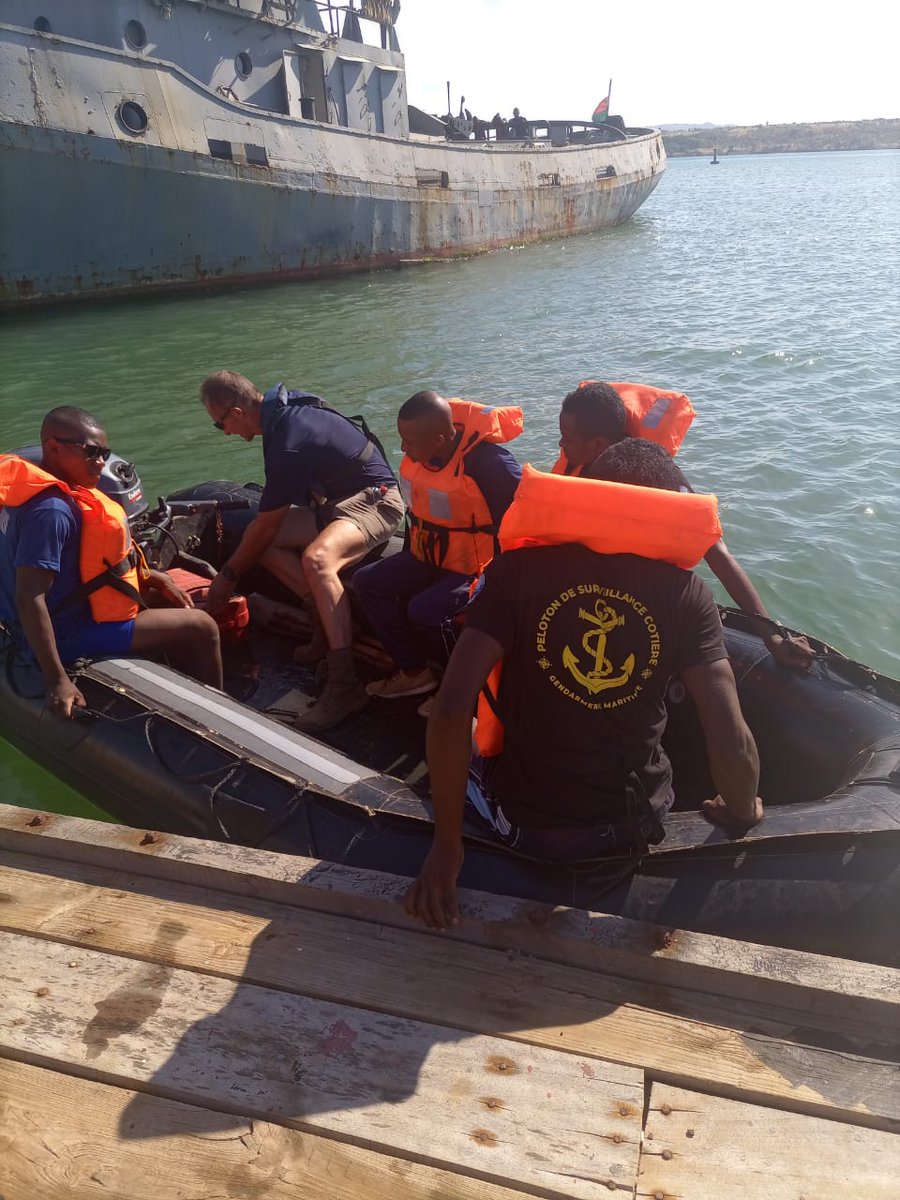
x=497, y=474
x=787, y=651
x=432, y=898
x=730, y=748
x=258, y=537
x=32, y=586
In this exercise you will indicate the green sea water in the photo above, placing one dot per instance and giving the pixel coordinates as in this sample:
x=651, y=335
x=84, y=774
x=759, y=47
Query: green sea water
x=767, y=289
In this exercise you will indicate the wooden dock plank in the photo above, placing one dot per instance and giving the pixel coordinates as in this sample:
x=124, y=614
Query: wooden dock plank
x=62, y=901
x=724, y=967
x=464, y=987
x=532, y=1117
x=701, y=1147
x=65, y=1138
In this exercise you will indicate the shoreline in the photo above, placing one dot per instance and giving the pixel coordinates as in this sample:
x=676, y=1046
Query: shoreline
x=798, y=138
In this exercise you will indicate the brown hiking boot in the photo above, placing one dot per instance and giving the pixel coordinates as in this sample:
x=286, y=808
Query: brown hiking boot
x=309, y=653
x=343, y=695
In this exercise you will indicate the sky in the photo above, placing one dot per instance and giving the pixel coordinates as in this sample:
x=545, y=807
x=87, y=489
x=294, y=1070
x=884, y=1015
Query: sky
x=681, y=62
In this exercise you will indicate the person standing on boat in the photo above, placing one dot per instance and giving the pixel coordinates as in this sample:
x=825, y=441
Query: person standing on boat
x=576, y=633
x=457, y=481
x=597, y=415
x=70, y=580
x=518, y=126
x=330, y=498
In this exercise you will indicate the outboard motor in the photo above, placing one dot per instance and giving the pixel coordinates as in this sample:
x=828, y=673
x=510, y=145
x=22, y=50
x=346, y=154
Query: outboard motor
x=119, y=480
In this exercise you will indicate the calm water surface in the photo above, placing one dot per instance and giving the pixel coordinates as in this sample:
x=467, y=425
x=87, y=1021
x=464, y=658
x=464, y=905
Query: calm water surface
x=768, y=289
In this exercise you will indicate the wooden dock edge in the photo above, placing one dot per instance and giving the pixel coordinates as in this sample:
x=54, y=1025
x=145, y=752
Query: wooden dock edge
x=792, y=979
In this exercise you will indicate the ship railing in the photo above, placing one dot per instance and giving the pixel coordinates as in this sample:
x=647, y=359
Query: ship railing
x=556, y=133
x=379, y=12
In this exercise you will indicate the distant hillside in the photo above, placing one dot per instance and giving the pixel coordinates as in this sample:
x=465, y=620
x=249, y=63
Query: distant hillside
x=780, y=139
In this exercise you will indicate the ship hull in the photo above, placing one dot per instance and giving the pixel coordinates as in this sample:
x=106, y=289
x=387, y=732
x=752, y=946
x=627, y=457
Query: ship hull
x=87, y=211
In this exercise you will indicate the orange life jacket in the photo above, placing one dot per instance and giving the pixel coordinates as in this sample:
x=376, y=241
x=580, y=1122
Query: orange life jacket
x=651, y=413
x=608, y=518
x=450, y=523
x=108, y=561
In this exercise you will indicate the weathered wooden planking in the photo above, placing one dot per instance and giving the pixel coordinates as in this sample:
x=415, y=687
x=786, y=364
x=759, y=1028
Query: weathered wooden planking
x=527, y=1116
x=65, y=1138
x=809, y=983
x=700, y=1147
x=464, y=987
x=74, y=902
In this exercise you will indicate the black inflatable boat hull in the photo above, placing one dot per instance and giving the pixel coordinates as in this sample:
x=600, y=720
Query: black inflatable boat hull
x=158, y=750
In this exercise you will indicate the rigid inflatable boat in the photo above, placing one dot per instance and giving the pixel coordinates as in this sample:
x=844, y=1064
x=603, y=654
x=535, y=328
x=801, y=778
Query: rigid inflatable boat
x=157, y=750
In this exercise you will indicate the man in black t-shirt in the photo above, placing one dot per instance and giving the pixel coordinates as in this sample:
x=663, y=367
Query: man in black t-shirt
x=589, y=644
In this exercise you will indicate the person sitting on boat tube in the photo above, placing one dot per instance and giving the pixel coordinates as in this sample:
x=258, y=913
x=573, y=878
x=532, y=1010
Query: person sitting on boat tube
x=568, y=650
x=597, y=415
x=457, y=481
x=330, y=498
x=70, y=580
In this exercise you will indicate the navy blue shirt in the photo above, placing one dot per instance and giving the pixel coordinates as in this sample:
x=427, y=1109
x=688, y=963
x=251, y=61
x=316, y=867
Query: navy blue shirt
x=496, y=473
x=44, y=532
x=314, y=453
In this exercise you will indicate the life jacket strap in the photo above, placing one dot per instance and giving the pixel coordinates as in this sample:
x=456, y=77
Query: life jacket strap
x=111, y=577
x=433, y=527
x=492, y=701
x=434, y=540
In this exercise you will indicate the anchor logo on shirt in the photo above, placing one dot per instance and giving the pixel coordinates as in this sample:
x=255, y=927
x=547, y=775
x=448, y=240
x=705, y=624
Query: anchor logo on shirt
x=603, y=620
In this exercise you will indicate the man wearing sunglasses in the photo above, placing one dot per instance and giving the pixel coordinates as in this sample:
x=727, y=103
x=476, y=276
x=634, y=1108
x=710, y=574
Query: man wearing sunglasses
x=68, y=581
x=330, y=499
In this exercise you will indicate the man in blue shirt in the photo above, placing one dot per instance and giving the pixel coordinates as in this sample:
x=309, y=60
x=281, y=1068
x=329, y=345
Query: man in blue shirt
x=329, y=499
x=40, y=576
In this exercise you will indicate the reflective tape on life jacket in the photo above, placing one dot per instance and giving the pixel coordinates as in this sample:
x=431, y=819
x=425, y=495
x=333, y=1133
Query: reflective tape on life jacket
x=108, y=562
x=608, y=518
x=450, y=522
x=651, y=413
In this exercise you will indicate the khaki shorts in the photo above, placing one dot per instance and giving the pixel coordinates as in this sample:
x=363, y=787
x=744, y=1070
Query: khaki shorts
x=377, y=520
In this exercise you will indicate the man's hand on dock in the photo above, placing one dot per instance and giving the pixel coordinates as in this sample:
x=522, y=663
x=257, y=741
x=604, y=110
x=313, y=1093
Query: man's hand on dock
x=718, y=813
x=432, y=898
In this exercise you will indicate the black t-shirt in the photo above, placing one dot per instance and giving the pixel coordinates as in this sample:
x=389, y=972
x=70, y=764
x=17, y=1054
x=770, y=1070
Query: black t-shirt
x=591, y=642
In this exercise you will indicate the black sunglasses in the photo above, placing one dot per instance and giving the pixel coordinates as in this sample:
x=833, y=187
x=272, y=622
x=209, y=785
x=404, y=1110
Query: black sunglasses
x=89, y=449
x=220, y=424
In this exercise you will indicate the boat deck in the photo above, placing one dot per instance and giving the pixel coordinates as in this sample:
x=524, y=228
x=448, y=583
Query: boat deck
x=184, y=1018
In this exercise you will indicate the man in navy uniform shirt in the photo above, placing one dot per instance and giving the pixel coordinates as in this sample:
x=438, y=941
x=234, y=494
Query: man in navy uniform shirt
x=329, y=499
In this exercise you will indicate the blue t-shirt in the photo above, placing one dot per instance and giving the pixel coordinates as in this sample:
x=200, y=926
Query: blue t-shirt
x=44, y=532
x=312, y=452
x=496, y=473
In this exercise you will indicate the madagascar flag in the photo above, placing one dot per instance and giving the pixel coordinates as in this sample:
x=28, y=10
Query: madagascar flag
x=601, y=112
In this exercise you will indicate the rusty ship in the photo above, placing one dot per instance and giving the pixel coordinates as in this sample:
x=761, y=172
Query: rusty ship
x=153, y=145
